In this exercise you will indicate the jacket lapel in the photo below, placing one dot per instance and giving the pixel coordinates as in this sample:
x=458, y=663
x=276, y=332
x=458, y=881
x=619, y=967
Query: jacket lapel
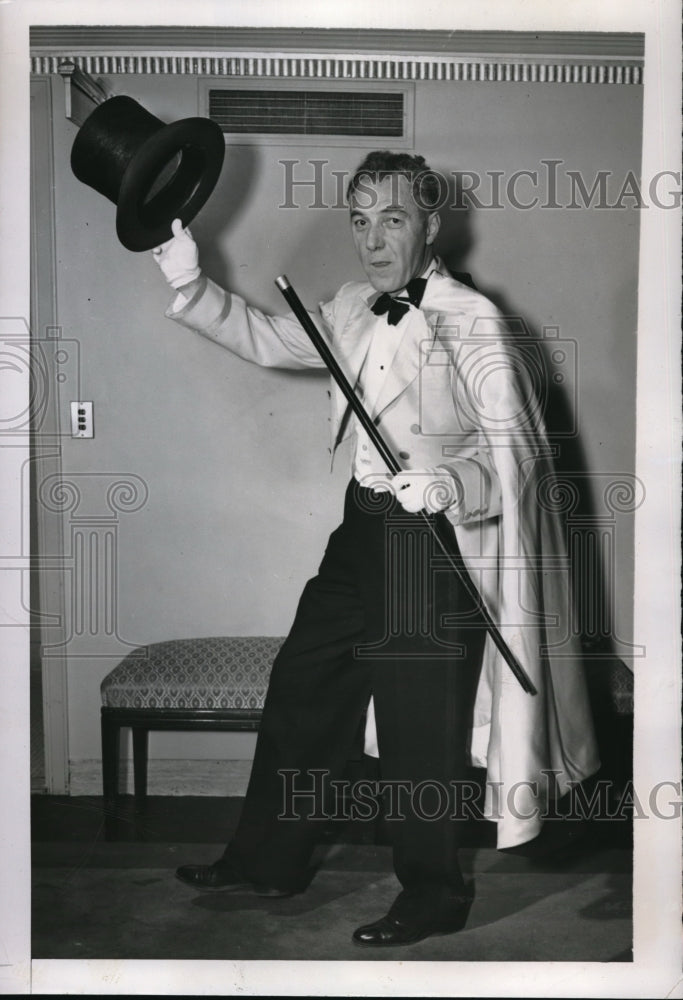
x=410, y=356
x=354, y=341
x=351, y=349
x=415, y=346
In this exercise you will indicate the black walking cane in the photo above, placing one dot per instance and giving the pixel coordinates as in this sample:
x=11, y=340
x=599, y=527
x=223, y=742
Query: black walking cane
x=454, y=559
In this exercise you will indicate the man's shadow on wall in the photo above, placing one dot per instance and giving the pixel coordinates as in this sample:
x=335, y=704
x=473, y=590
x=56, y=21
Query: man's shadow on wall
x=608, y=677
x=455, y=243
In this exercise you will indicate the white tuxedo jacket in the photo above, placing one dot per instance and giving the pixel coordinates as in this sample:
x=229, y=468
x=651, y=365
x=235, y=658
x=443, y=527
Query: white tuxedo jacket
x=459, y=394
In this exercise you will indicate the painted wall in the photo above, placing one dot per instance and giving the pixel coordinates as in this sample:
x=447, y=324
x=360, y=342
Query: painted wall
x=240, y=496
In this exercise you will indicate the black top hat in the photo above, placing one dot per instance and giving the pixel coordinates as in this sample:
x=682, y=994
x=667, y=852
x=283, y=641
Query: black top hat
x=153, y=172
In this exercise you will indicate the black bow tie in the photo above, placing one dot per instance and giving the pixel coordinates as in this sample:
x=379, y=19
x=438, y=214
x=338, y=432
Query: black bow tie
x=397, y=308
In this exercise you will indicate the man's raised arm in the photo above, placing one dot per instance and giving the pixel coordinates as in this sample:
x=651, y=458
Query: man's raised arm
x=224, y=317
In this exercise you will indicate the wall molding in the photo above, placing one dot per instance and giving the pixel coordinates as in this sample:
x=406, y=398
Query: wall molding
x=47, y=544
x=502, y=57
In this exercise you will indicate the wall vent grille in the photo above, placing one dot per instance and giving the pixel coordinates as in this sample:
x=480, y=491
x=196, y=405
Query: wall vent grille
x=308, y=112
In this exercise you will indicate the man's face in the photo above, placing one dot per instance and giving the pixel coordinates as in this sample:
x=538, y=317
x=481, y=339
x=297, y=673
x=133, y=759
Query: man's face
x=391, y=233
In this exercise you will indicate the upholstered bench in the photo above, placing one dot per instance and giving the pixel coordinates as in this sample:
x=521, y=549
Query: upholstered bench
x=206, y=684
x=220, y=683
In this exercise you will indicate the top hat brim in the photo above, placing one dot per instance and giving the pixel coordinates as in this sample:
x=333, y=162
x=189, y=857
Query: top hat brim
x=170, y=177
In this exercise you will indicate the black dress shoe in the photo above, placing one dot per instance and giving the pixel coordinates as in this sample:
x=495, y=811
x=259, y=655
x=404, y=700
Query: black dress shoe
x=223, y=877
x=392, y=930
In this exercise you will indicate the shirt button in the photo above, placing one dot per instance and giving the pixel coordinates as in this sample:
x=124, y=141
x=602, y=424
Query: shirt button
x=415, y=429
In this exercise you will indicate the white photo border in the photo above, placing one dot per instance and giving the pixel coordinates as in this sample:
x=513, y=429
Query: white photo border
x=658, y=949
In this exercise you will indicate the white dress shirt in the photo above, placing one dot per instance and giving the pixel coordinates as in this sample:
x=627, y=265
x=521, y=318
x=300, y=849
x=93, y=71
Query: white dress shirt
x=369, y=467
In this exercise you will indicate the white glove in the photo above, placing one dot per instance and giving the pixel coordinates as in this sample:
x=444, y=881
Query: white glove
x=427, y=489
x=178, y=258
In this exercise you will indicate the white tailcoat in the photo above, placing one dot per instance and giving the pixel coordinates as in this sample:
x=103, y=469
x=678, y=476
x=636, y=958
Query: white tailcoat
x=459, y=393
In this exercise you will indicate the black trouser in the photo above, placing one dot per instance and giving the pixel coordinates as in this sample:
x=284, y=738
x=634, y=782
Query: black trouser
x=384, y=616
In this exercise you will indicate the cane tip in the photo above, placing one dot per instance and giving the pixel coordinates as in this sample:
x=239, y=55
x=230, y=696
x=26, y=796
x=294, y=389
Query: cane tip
x=283, y=282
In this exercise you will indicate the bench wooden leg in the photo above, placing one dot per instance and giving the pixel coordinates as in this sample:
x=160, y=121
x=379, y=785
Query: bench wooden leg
x=110, y=771
x=140, y=747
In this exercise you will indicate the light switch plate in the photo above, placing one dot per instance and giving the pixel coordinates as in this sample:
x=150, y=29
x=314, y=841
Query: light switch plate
x=82, y=420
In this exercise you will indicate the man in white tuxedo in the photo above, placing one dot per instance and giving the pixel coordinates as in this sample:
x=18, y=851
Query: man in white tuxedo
x=382, y=632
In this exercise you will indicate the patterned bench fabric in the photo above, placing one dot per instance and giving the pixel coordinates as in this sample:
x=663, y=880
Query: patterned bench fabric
x=232, y=672
x=228, y=672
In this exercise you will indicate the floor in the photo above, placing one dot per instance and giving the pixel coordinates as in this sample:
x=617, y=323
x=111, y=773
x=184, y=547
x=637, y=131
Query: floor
x=92, y=898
